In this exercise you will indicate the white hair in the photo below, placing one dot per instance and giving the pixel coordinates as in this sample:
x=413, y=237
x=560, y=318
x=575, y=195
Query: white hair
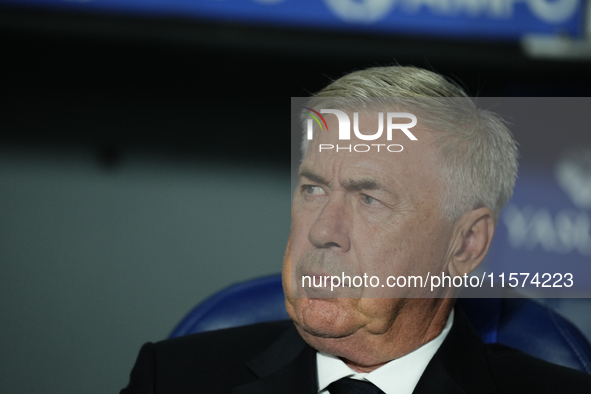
x=478, y=155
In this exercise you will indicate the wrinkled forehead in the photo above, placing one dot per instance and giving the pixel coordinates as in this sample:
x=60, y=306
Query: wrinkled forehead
x=393, y=155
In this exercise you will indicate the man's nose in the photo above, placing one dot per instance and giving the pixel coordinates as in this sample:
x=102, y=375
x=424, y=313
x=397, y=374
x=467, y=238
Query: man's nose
x=330, y=228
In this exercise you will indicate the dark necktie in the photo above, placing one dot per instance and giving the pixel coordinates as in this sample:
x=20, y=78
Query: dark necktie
x=353, y=386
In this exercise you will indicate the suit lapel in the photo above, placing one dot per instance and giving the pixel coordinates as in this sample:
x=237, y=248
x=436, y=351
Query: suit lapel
x=460, y=365
x=287, y=366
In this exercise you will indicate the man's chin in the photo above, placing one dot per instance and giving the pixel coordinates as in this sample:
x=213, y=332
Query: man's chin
x=326, y=317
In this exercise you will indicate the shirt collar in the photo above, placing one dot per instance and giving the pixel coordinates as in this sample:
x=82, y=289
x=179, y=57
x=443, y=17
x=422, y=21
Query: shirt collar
x=399, y=376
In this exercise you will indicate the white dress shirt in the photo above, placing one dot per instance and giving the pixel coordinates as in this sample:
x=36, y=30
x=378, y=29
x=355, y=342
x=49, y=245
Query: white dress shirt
x=399, y=376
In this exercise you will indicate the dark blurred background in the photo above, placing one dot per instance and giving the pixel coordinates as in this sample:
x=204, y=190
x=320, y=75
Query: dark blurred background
x=145, y=152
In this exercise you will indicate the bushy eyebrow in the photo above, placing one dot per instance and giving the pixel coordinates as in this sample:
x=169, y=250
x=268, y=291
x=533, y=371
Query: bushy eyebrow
x=307, y=173
x=362, y=184
x=349, y=184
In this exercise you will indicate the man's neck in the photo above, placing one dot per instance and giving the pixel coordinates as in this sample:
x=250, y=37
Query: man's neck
x=365, y=351
x=433, y=331
x=398, y=376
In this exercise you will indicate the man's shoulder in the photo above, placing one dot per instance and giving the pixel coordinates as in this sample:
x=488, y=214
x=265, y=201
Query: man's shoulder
x=209, y=362
x=473, y=366
x=239, y=342
x=516, y=371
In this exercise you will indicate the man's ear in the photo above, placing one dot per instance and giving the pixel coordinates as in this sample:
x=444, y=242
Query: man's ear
x=473, y=234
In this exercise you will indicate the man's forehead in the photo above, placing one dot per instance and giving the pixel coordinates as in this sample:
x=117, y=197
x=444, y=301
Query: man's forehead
x=356, y=157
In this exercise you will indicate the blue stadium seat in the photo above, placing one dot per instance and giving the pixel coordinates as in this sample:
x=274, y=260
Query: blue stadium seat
x=517, y=322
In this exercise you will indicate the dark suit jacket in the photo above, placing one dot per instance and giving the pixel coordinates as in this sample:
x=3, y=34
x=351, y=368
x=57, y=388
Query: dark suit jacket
x=273, y=358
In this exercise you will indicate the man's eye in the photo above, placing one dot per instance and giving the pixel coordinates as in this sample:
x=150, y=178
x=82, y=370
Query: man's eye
x=310, y=189
x=367, y=199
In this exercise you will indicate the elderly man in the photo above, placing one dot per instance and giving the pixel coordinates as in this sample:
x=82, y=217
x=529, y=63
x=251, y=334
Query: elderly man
x=400, y=203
